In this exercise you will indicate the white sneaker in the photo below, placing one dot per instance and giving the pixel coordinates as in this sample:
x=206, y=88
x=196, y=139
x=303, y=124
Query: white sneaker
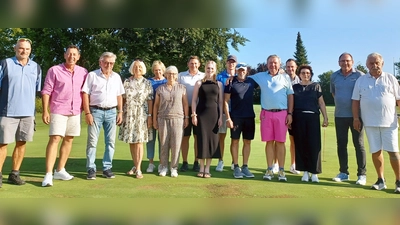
x=268, y=175
x=293, y=169
x=48, y=180
x=163, y=172
x=220, y=166
x=282, y=176
x=314, y=178
x=362, y=180
x=151, y=167
x=275, y=168
x=305, y=177
x=174, y=173
x=62, y=175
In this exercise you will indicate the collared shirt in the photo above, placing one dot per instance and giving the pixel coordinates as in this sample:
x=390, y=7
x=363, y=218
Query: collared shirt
x=103, y=92
x=18, y=87
x=64, y=89
x=377, y=98
x=189, y=81
x=241, y=101
x=342, y=87
x=274, y=89
x=223, y=76
x=296, y=79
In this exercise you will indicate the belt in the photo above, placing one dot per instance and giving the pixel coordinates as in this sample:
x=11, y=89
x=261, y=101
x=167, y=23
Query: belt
x=274, y=110
x=102, y=108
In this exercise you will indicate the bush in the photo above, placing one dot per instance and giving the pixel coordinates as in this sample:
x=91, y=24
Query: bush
x=38, y=104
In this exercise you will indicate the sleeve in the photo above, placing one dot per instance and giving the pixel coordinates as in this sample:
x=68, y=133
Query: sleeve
x=3, y=65
x=39, y=78
x=49, y=82
x=150, y=90
x=356, y=90
x=227, y=88
x=332, y=86
x=88, y=84
x=318, y=89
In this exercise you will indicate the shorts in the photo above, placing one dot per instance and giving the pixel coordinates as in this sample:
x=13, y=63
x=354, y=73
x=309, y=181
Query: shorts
x=273, y=126
x=246, y=126
x=382, y=138
x=188, y=130
x=61, y=125
x=222, y=129
x=16, y=129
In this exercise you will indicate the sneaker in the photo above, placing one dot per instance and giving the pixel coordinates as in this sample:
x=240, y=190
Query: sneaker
x=174, y=173
x=108, y=174
x=268, y=175
x=163, y=172
x=314, y=178
x=62, y=175
x=275, y=168
x=281, y=175
x=220, y=166
x=305, y=177
x=237, y=173
x=232, y=166
x=48, y=180
x=15, y=179
x=196, y=166
x=341, y=177
x=184, y=167
x=379, y=185
x=293, y=169
x=91, y=174
x=150, y=168
x=246, y=172
x=362, y=180
x=397, y=187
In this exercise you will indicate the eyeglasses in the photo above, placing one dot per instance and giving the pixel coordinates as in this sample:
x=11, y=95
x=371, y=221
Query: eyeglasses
x=171, y=73
x=108, y=63
x=25, y=39
x=342, y=61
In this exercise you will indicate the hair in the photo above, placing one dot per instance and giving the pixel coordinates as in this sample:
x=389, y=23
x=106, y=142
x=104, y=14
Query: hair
x=107, y=55
x=274, y=56
x=214, y=78
x=193, y=57
x=158, y=63
x=374, y=55
x=305, y=67
x=171, y=69
x=345, y=53
x=141, y=64
x=291, y=60
x=73, y=46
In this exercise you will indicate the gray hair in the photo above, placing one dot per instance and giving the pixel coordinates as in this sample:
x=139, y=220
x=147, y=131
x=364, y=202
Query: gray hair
x=171, y=68
x=107, y=55
x=374, y=55
x=274, y=56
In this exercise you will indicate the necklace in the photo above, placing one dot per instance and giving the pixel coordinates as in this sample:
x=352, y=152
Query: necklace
x=305, y=86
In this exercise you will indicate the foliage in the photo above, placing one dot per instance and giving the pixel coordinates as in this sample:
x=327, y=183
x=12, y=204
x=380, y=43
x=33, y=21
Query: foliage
x=362, y=68
x=301, y=53
x=325, y=82
x=397, y=70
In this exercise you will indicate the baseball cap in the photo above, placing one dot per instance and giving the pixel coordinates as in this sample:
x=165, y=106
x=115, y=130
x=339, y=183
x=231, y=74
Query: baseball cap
x=231, y=57
x=241, y=66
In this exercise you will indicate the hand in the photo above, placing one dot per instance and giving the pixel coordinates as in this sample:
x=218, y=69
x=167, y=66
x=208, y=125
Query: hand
x=325, y=123
x=194, y=120
x=289, y=120
x=229, y=124
x=229, y=80
x=119, y=119
x=89, y=119
x=155, y=124
x=219, y=122
x=357, y=125
x=149, y=122
x=46, y=117
x=185, y=122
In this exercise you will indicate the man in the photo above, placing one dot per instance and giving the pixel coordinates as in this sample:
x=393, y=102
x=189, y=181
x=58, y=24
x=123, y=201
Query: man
x=62, y=93
x=189, y=79
x=376, y=94
x=102, y=103
x=20, y=79
x=240, y=118
x=230, y=71
x=342, y=85
x=276, y=114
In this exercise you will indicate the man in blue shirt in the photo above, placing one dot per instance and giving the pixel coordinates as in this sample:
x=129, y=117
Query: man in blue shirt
x=20, y=79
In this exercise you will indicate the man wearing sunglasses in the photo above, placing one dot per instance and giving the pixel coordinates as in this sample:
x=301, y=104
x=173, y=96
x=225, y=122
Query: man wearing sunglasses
x=20, y=79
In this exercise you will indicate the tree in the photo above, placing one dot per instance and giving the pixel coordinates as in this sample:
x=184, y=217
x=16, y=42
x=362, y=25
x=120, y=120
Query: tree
x=325, y=82
x=397, y=70
x=300, y=54
x=362, y=68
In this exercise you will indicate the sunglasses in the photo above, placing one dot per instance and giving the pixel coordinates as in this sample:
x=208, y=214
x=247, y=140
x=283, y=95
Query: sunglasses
x=241, y=65
x=25, y=39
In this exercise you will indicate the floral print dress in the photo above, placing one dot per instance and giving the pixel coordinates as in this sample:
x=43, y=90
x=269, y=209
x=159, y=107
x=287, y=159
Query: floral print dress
x=134, y=126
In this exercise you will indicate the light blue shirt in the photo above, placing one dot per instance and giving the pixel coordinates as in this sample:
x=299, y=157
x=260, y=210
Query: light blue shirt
x=274, y=89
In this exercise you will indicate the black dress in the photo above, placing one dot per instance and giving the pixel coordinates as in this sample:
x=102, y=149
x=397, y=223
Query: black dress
x=207, y=111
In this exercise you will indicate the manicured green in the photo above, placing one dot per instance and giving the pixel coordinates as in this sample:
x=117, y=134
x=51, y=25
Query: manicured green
x=187, y=185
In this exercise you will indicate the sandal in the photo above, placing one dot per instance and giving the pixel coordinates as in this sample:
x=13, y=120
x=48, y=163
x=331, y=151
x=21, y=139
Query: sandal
x=200, y=174
x=139, y=174
x=131, y=171
x=207, y=175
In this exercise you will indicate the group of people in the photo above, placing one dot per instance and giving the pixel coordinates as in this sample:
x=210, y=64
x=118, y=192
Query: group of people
x=171, y=105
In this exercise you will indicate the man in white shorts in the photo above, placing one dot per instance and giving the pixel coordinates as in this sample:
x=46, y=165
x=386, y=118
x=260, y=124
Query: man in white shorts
x=376, y=94
x=62, y=94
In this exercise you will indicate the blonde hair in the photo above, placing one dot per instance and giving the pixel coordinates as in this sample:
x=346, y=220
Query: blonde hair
x=214, y=78
x=141, y=63
x=158, y=63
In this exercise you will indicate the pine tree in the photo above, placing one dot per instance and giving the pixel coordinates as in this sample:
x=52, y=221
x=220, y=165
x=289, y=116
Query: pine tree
x=301, y=53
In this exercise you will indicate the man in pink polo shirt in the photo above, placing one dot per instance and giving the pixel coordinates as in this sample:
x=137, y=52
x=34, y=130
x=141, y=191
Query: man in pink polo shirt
x=62, y=92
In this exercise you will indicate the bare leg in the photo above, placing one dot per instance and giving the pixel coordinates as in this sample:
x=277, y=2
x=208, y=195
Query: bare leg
x=395, y=163
x=377, y=159
x=138, y=151
x=65, y=150
x=3, y=155
x=208, y=163
x=18, y=154
x=246, y=151
x=270, y=153
x=280, y=148
x=201, y=161
x=51, y=152
x=235, y=150
x=185, y=148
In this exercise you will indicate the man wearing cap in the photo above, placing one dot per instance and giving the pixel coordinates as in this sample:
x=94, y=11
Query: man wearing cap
x=230, y=71
x=20, y=80
x=240, y=117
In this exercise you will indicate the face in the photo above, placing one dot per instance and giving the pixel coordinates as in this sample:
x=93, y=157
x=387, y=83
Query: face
x=157, y=71
x=107, y=65
x=241, y=73
x=305, y=74
x=273, y=65
x=71, y=56
x=291, y=68
x=231, y=64
x=374, y=65
x=211, y=68
x=193, y=65
x=171, y=76
x=137, y=68
x=346, y=63
x=22, y=50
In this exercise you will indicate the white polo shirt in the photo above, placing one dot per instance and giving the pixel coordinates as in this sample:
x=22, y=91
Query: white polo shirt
x=189, y=81
x=377, y=98
x=103, y=92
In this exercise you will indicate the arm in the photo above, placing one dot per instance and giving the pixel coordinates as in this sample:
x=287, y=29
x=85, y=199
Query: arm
x=185, y=110
x=155, y=111
x=45, y=103
x=149, y=116
x=194, y=102
x=322, y=108
x=229, y=122
x=220, y=102
x=86, y=109
x=119, y=109
x=355, y=108
x=290, y=110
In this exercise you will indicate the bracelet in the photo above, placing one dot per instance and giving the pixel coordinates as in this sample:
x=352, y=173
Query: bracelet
x=228, y=120
x=148, y=115
x=87, y=113
x=186, y=117
x=289, y=113
x=193, y=115
x=120, y=111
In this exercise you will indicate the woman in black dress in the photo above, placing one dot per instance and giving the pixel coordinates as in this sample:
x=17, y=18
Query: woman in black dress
x=308, y=102
x=207, y=117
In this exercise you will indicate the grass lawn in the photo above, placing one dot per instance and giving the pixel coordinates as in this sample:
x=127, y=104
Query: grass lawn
x=187, y=185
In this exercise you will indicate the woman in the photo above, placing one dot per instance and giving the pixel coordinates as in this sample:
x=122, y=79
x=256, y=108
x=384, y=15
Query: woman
x=207, y=116
x=171, y=116
x=138, y=106
x=308, y=103
x=158, y=69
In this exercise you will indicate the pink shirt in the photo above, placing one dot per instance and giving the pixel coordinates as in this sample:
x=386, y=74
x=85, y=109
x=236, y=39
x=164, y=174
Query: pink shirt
x=64, y=89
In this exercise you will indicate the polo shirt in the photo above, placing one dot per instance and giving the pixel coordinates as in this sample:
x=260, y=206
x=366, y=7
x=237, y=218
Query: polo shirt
x=342, y=87
x=223, y=76
x=189, y=81
x=18, y=87
x=241, y=101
